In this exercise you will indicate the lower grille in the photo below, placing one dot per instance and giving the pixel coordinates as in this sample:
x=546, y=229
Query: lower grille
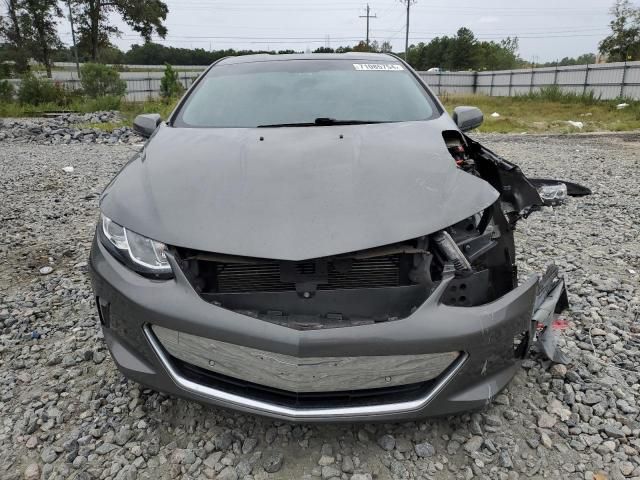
x=302, y=374
x=346, y=398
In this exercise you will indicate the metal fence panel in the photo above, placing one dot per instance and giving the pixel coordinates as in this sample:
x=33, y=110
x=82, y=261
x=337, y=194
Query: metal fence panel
x=606, y=81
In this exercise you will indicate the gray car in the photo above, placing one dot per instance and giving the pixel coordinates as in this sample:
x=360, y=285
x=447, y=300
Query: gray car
x=313, y=238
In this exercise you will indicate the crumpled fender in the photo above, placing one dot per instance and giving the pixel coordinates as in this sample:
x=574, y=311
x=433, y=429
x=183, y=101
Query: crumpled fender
x=517, y=193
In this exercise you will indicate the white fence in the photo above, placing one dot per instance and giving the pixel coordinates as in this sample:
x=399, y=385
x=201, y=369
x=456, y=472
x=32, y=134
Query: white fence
x=141, y=85
x=606, y=80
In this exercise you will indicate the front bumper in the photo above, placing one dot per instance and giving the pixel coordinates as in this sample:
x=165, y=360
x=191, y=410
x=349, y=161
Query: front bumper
x=131, y=305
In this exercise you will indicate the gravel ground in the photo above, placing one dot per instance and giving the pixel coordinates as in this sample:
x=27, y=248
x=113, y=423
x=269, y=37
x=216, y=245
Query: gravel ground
x=66, y=412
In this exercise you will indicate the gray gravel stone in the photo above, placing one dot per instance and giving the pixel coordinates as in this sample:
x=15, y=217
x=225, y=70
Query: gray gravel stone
x=272, y=461
x=361, y=476
x=387, y=442
x=330, y=471
x=32, y=472
x=228, y=473
x=546, y=420
x=123, y=436
x=347, y=464
x=48, y=454
x=473, y=444
x=425, y=449
x=249, y=445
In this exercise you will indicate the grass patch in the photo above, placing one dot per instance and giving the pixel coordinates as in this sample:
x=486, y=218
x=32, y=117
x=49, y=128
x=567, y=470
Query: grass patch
x=130, y=109
x=549, y=112
x=105, y=127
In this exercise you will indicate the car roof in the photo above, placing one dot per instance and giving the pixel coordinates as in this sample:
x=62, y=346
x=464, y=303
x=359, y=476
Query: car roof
x=266, y=57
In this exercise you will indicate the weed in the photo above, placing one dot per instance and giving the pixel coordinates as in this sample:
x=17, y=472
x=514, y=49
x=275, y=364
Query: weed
x=549, y=112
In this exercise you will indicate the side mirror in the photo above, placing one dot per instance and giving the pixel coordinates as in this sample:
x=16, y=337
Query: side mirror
x=146, y=124
x=467, y=118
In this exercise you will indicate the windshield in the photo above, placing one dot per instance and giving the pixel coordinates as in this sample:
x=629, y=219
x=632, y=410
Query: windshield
x=290, y=92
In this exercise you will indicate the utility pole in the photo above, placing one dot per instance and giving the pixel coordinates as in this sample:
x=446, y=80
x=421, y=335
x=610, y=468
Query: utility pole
x=368, y=16
x=73, y=39
x=406, y=39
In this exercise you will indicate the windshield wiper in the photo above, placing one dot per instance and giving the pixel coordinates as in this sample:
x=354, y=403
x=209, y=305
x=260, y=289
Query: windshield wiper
x=321, y=121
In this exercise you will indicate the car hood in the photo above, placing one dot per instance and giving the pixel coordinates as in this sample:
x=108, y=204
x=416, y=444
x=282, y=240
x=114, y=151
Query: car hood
x=294, y=193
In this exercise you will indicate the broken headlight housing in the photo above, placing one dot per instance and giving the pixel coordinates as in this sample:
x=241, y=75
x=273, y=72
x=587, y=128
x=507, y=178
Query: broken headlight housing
x=143, y=255
x=553, y=194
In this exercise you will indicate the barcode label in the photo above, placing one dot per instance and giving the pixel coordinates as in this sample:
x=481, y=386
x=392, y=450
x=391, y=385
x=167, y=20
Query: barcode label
x=385, y=67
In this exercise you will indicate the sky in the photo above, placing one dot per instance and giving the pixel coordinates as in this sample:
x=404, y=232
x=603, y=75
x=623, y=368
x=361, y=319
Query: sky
x=548, y=29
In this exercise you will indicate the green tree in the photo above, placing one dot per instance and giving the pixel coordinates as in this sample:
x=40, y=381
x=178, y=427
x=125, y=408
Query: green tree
x=6, y=91
x=497, y=56
x=111, y=54
x=464, y=52
x=346, y=49
x=11, y=35
x=99, y=81
x=170, y=86
x=93, y=17
x=361, y=47
x=584, y=59
x=624, y=41
x=35, y=90
x=324, y=50
x=30, y=30
x=39, y=29
x=386, y=47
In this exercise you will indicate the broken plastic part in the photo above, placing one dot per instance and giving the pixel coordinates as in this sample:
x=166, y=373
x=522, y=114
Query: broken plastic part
x=551, y=298
x=553, y=194
x=450, y=250
x=573, y=189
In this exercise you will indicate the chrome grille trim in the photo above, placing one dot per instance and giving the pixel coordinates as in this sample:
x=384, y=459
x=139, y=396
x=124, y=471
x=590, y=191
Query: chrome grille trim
x=298, y=374
x=300, y=414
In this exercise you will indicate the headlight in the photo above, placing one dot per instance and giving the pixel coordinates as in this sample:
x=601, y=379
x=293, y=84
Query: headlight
x=141, y=254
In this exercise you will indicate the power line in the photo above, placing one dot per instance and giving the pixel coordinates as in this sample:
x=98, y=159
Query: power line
x=457, y=8
x=368, y=16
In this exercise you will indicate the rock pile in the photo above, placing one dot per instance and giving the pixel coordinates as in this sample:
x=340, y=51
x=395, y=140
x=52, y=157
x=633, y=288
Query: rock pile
x=68, y=128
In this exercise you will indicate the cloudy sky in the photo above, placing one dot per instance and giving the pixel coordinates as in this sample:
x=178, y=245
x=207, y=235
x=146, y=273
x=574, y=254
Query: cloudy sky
x=547, y=29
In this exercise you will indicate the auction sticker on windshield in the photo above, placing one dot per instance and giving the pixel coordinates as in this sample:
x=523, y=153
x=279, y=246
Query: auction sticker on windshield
x=387, y=67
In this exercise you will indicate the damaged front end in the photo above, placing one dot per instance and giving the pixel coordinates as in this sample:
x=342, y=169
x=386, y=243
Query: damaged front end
x=474, y=258
x=519, y=197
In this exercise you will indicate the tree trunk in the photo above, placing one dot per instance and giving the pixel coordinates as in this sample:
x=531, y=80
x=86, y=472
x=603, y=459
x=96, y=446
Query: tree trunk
x=46, y=58
x=94, y=13
x=39, y=18
x=12, y=4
